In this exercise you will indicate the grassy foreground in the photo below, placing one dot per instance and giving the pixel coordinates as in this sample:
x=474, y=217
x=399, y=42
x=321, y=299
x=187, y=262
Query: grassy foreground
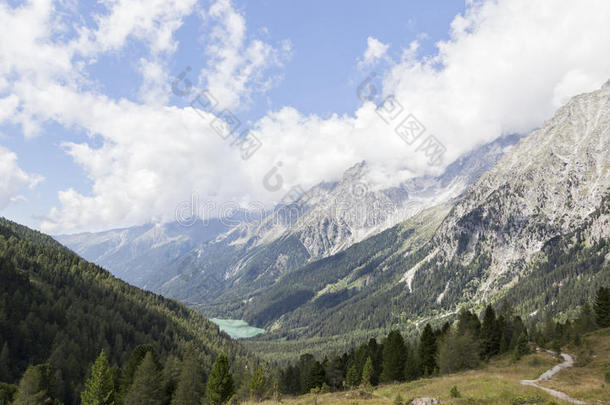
x=496, y=383
x=586, y=380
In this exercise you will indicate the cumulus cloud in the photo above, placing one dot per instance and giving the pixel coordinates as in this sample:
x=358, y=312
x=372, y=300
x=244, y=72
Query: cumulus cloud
x=151, y=21
x=13, y=180
x=375, y=49
x=236, y=65
x=505, y=68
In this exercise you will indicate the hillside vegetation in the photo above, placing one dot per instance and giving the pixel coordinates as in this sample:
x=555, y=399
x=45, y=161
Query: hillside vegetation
x=59, y=309
x=497, y=382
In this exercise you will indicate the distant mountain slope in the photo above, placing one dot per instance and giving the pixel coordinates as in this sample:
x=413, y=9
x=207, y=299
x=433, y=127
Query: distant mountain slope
x=55, y=307
x=136, y=254
x=218, y=269
x=547, y=186
x=535, y=229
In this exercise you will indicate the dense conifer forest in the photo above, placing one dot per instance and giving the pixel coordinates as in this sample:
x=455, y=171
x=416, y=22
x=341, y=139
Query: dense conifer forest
x=71, y=333
x=466, y=344
x=59, y=312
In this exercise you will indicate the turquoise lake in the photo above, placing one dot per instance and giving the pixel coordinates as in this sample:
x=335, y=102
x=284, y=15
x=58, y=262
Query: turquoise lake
x=237, y=328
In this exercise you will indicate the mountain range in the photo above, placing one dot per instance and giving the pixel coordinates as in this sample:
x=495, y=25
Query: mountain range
x=522, y=219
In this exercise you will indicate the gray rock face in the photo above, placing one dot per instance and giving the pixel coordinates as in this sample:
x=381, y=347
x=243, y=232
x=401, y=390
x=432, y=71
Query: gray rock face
x=335, y=216
x=548, y=185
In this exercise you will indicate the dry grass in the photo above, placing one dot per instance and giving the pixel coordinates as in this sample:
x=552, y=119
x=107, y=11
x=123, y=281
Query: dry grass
x=586, y=380
x=497, y=383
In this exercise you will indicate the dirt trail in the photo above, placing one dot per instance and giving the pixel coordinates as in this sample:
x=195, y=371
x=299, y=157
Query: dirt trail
x=567, y=362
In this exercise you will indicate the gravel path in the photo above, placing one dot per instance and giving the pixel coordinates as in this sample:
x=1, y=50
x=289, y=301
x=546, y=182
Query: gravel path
x=567, y=362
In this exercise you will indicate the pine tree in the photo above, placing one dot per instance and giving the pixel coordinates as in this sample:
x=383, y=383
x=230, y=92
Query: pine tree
x=427, y=351
x=190, y=388
x=257, y=384
x=147, y=385
x=99, y=388
x=367, y=372
x=602, y=307
x=220, y=384
x=394, y=358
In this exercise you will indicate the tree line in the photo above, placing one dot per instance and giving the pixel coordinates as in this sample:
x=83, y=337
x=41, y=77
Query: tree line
x=463, y=345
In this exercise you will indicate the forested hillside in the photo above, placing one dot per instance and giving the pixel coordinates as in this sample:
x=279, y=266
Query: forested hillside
x=534, y=229
x=57, y=308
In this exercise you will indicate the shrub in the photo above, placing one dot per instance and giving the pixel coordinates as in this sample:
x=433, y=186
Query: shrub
x=455, y=393
x=534, y=362
x=521, y=399
x=398, y=400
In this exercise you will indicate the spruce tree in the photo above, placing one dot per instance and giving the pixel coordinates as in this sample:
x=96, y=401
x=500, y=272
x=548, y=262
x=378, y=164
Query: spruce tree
x=335, y=371
x=427, y=351
x=315, y=376
x=30, y=390
x=171, y=376
x=521, y=348
x=35, y=386
x=290, y=380
x=602, y=307
x=352, y=379
x=99, y=388
x=135, y=359
x=375, y=353
x=220, y=384
x=147, y=387
x=190, y=388
x=491, y=333
x=458, y=352
x=367, y=372
x=394, y=358
x=257, y=384
x=586, y=319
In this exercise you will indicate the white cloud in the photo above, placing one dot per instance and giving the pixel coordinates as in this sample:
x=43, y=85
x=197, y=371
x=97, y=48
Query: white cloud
x=13, y=180
x=236, y=65
x=375, y=50
x=155, y=88
x=152, y=21
x=505, y=68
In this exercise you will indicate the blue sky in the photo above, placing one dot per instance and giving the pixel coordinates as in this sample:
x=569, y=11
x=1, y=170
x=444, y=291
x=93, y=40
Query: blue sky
x=93, y=138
